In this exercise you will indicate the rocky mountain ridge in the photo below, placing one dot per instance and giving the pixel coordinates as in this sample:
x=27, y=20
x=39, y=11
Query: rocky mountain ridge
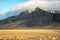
x=37, y=18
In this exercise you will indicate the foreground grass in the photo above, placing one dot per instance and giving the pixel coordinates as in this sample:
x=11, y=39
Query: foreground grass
x=29, y=34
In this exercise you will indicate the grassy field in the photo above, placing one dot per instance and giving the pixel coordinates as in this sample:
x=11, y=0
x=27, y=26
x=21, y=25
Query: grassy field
x=30, y=34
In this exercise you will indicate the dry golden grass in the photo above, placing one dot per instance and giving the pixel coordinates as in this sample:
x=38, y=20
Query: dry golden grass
x=30, y=34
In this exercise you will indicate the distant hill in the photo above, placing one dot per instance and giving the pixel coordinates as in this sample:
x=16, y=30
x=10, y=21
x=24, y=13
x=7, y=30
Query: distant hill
x=38, y=18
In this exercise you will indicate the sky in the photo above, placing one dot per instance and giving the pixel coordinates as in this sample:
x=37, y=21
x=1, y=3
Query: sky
x=6, y=5
x=14, y=5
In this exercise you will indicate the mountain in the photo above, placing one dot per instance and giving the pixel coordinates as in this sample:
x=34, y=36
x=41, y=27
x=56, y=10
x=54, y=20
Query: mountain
x=11, y=13
x=53, y=11
x=38, y=18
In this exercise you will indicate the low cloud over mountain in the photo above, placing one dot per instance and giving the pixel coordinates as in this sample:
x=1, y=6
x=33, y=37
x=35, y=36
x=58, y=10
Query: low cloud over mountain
x=45, y=0
x=46, y=5
x=31, y=5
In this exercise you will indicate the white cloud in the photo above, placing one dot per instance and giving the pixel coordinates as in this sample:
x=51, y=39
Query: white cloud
x=35, y=0
x=45, y=5
x=31, y=5
x=44, y=0
x=2, y=13
x=55, y=5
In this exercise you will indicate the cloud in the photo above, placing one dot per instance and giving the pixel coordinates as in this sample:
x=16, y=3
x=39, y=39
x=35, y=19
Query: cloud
x=31, y=5
x=44, y=0
x=2, y=13
x=55, y=5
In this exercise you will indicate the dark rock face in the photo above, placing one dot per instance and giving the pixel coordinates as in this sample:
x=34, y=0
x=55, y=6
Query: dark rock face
x=38, y=17
x=56, y=18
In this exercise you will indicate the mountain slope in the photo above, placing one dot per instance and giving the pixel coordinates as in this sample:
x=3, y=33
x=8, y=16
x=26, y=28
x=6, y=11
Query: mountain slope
x=37, y=18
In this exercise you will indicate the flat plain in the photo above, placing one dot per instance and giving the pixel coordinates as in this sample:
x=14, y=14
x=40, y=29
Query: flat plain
x=30, y=34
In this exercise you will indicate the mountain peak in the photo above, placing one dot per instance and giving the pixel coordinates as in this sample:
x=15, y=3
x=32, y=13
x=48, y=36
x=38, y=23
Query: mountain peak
x=38, y=9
